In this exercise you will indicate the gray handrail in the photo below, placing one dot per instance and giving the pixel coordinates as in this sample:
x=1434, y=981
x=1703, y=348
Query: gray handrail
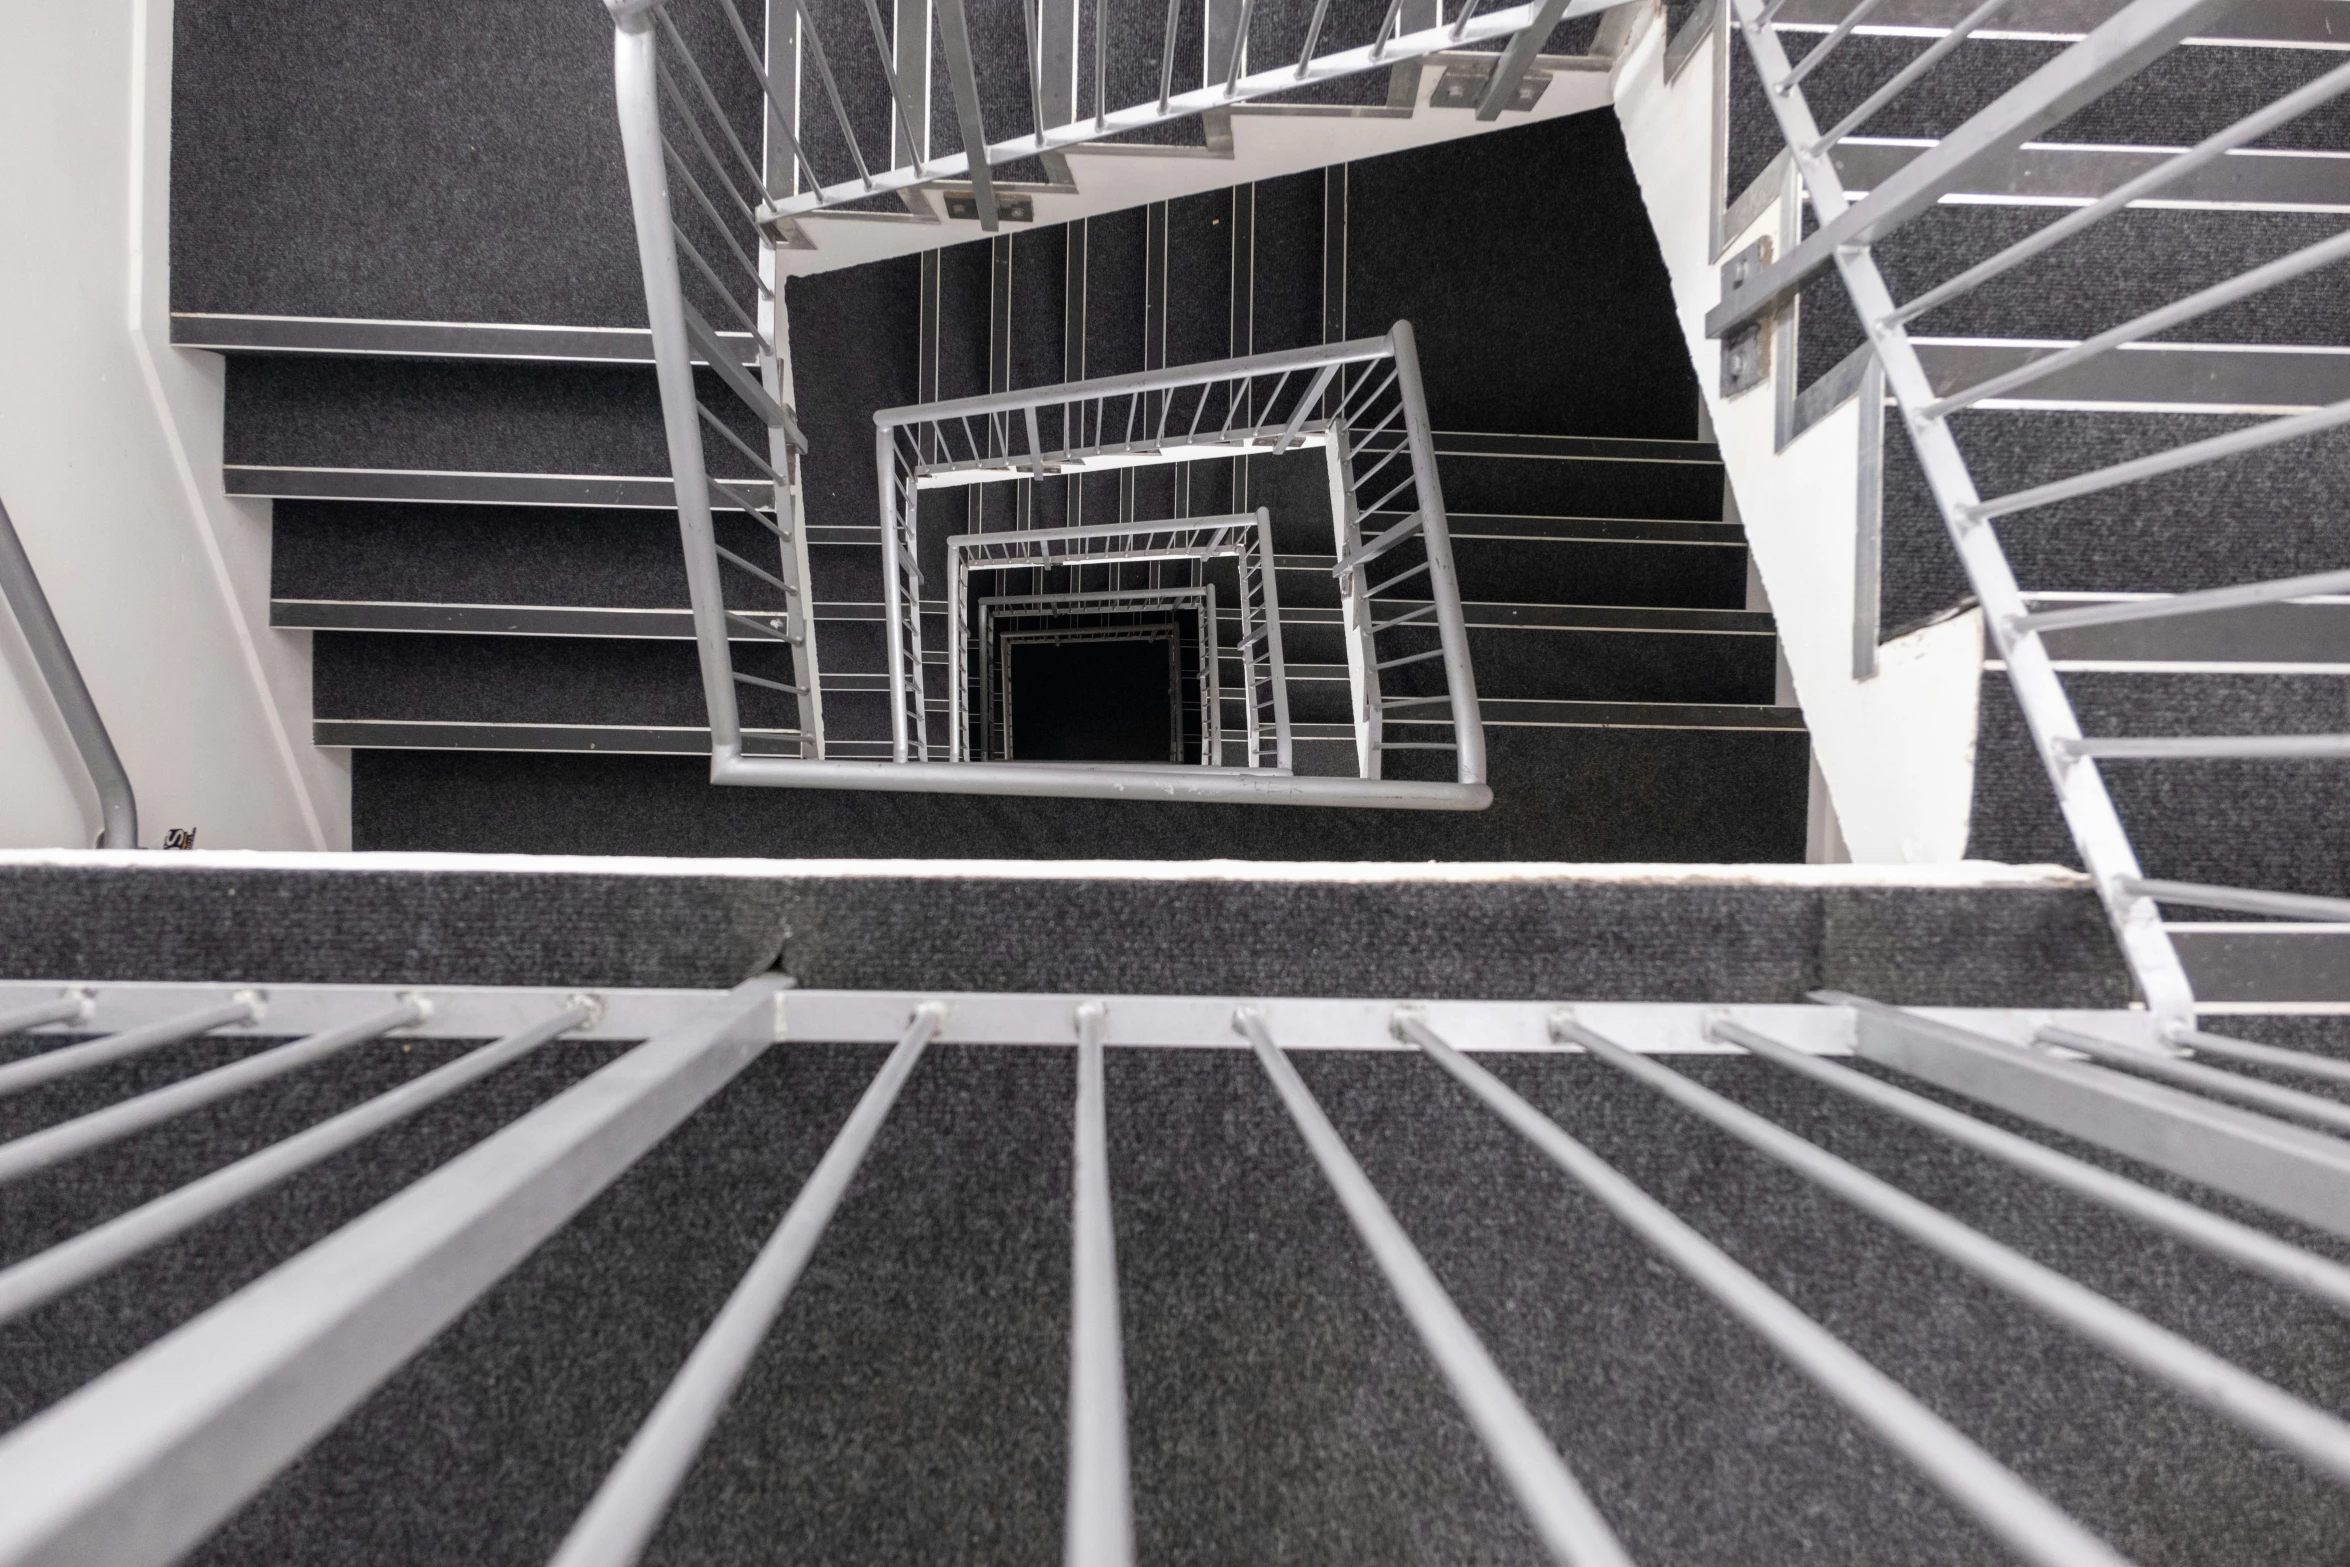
x=54, y=659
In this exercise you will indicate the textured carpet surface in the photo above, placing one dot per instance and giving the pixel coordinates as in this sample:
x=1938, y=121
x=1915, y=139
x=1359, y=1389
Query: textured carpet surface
x=1560, y=794
x=909, y=1405
x=1512, y=939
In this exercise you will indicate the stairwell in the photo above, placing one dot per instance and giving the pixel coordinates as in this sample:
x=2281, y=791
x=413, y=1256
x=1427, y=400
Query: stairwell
x=1888, y=656
x=437, y=382
x=479, y=548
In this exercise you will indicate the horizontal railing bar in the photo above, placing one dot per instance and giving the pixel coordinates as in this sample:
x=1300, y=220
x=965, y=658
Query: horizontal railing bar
x=766, y=469
x=1422, y=613
x=1247, y=367
x=2223, y=1237
x=1376, y=547
x=1562, y=1514
x=762, y=573
x=1411, y=658
x=1387, y=703
x=46, y=1275
x=772, y=685
x=1867, y=109
x=2309, y=1433
x=2271, y=1097
x=2117, y=48
x=1068, y=780
x=2234, y=443
x=21, y=1156
x=1818, y=54
x=1094, y=127
x=1401, y=576
x=2287, y=1169
x=2302, y=1061
x=2181, y=748
x=65, y=1009
x=710, y=101
x=207, y=1414
x=2242, y=900
x=724, y=230
x=2293, y=105
x=1099, y=1527
x=2012, y=1511
x=629, y=1505
x=738, y=379
x=18, y=1076
x=718, y=169
x=756, y=509
x=718, y=287
x=2198, y=603
x=2202, y=302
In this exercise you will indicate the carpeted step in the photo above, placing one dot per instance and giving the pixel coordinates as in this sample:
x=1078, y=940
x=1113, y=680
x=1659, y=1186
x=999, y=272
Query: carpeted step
x=2264, y=824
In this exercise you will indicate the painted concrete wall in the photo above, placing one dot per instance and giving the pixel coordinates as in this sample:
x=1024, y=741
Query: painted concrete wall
x=110, y=466
x=1897, y=750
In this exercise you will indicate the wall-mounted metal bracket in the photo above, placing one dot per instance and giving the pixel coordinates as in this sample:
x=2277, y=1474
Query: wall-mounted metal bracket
x=1746, y=351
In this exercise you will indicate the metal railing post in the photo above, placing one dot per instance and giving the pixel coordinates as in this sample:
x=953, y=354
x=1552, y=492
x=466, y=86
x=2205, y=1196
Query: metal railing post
x=1275, y=669
x=1443, y=583
x=1362, y=656
x=885, y=467
x=118, y=807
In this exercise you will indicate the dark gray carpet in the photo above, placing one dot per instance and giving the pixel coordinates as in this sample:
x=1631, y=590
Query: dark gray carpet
x=910, y=1404
x=1516, y=939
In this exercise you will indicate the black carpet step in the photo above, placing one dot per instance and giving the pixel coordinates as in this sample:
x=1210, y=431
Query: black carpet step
x=2252, y=518
x=2269, y=824
x=911, y=1397
x=2252, y=179
x=1566, y=665
x=1704, y=572
x=344, y=338
x=299, y=411
x=408, y=163
x=536, y=680
x=2132, y=263
x=1573, y=484
x=1559, y=794
x=2180, y=99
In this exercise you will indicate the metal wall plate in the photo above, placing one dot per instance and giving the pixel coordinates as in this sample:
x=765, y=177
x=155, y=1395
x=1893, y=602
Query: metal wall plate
x=1008, y=208
x=1462, y=86
x=1746, y=350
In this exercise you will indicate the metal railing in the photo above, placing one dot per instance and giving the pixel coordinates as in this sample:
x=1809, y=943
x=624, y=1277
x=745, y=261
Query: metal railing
x=746, y=557
x=710, y=103
x=20, y=587
x=1116, y=550
x=210, y=1412
x=1361, y=401
x=2117, y=49
x=1062, y=93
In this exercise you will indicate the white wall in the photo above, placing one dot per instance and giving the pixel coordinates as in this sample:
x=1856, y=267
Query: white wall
x=110, y=466
x=1897, y=750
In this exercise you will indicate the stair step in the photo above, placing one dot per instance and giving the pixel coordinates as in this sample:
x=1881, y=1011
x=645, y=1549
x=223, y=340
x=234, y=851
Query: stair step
x=2204, y=821
x=340, y=337
x=2249, y=521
